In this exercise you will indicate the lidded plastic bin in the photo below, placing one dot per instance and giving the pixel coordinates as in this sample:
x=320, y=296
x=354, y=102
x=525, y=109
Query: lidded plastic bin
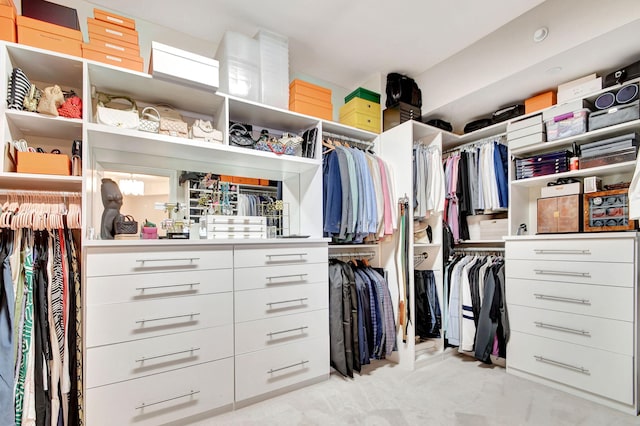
x=274, y=68
x=565, y=125
x=239, y=57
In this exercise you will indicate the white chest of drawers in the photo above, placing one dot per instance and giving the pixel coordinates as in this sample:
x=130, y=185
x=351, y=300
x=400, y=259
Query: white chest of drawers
x=159, y=333
x=572, y=303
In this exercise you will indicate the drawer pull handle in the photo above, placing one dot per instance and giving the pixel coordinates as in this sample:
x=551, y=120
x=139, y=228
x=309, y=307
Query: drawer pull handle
x=560, y=328
x=142, y=321
x=147, y=358
x=182, y=259
x=563, y=273
x=562, y=364
x=302, y=299
x=273, y=333
x=186, y=395
x=288, y=276
x=286, y=255
x=549, y=251
x=562, y=299
x=274, y=370
x=167, y=286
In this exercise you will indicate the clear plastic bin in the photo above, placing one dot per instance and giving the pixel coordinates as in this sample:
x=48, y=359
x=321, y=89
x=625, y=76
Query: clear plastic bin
x=566, y=125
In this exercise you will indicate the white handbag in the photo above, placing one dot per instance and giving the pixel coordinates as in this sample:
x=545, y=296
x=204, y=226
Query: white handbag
x=123, y=118
x=150, y=120
x=203, y=130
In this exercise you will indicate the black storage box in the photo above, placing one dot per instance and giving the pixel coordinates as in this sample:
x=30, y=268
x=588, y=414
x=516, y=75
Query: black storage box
x=399, y=113
x=614, y=115
x=51, y=12
x=621, y=75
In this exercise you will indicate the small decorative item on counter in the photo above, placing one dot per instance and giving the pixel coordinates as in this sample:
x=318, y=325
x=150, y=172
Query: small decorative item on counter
x=126, y=224
x=149, y=231
x=52, y=98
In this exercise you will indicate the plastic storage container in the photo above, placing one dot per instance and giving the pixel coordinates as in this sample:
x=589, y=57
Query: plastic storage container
x=239, y=58
x=565, y=125
x=274, y=68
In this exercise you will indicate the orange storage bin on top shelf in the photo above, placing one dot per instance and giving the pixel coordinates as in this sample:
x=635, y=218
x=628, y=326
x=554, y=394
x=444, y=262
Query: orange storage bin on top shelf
x=112, y=18
x=8, y=21
x=45, y=35
x=310, y=99
x=132, y=63
x=539, y=102
x=115, y=32
x=107, y=45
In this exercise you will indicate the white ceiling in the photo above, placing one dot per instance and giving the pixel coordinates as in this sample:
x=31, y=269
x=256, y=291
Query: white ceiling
x=342, y=42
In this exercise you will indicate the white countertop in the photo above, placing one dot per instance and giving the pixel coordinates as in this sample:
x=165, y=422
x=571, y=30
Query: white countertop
x=187, y=242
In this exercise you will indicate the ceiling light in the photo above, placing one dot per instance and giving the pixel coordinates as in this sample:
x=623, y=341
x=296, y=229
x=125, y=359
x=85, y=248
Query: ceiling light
x=131, y=186
x=554, y=70
x=540, y=34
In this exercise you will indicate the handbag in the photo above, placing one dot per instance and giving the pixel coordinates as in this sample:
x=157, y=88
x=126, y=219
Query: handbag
x=240, y=136
x=123, y=118
x=126, y=224
x=52, y=98
x=71, y=108
x=274, y=145
x=149, y=120
x=171, y=122
x=30, y=102
x=203, y=130
x=17, y=89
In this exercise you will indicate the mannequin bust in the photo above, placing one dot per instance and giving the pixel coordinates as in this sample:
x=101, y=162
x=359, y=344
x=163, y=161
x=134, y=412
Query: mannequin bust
x=112, y=201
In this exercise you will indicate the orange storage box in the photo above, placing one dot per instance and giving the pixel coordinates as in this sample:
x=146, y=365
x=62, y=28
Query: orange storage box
x=42, y=163
x=111, y=49
x=307, y=108
x=132, y=63
x=107, y=44
x=8, y=29
x=112, y=18
x=112, y=31
x=538, y=102
x=8, y=10
x=304, y=88
x=44, y=35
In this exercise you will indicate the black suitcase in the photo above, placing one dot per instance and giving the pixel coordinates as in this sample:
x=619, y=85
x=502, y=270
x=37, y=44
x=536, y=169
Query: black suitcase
x=440, y=124
x=401, y=88
x=623, y=74
x=472, y=126
x=507, y=113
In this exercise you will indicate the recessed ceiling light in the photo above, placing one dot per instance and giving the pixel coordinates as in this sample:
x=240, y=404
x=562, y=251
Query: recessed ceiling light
x=540, y=34
x=554, y=70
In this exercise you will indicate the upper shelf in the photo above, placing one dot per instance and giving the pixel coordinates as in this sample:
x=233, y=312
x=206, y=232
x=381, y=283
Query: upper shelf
x=27, y=181
x=130, y=146
x=609, y=169
x=45, y=66
x=261, y=115
x=40, y=125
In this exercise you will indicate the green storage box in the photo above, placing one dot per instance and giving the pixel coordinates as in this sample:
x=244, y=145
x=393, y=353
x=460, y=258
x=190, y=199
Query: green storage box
x=363, y=93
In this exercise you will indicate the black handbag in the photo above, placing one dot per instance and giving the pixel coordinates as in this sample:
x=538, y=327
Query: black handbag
x=401, y=88
x=477, y=125
x=18, y=89
x=126, y=224
x=240, y=136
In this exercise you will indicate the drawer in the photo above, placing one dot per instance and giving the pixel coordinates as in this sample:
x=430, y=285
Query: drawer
x=121, y=260
x=272, y=302
x=610, y=274
x=595, y=300
x=593, y=370
x=277, y=254
x=236, y=235
x=585, y=250
x=122, y=322
x=267, y=333
x=236, y=228
x=274, y=276
x=141, y=287
x=361, y=106
x=236, y=220
x=271, y=369
x=606, y=334
x=162, y=398
x=123, y=361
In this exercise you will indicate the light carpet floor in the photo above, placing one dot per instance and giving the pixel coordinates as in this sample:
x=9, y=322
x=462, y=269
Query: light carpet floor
x=456, y=391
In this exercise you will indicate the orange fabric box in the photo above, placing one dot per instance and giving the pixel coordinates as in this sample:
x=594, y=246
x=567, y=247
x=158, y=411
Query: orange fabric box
x=44, y=35
x=8, y=10
x=8, y=29
x=111, y=49
x=538, y=102
x=112, y=18
x=310, y=100
x=112, y=31
x=325, y=113
x=120, y=47
x=42, y=163
x=132, y=63
x=300, y=87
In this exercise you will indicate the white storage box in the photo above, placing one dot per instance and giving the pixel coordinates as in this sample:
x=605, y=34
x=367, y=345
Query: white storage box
x=524, y=123
x=169, y=63
x=559, y=190
x=236, y=227
x=580, y=90
x=274, y=69
x=493, y=229
x=529, y=140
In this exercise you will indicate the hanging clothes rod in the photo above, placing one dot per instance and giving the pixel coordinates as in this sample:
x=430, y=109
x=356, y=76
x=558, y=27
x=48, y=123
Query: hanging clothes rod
x=354, y=254
x=347, y=139
x=478, y=249
x=27, y=192
x=500, y=138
